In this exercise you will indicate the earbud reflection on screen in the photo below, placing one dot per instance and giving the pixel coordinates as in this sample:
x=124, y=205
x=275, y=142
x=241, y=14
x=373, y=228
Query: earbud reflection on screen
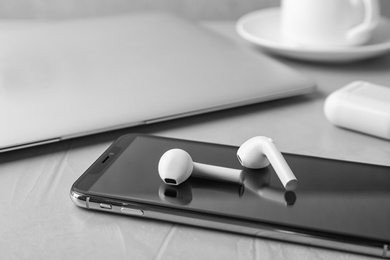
x=260, y=184
x=258, y=152
x=286, y=198
x=204, y=189
x=176, y=166
x=179, y=195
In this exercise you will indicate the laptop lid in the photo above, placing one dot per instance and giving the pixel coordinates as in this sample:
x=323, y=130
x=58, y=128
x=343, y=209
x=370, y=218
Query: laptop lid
x=72, y=78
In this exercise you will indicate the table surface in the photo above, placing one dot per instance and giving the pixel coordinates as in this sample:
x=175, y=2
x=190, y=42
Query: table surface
x=39, y=221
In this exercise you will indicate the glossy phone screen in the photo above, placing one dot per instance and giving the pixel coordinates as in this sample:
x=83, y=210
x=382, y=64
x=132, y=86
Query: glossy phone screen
x=335, y=197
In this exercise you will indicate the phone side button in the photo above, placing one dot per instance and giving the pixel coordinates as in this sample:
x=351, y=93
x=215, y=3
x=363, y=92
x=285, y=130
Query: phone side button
x=105, y=206
x=129, y=211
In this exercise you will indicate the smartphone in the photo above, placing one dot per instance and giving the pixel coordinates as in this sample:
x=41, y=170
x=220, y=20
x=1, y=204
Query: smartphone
x=338, y=204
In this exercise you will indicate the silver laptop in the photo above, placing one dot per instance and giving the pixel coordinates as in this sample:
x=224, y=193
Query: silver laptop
x=74, y=78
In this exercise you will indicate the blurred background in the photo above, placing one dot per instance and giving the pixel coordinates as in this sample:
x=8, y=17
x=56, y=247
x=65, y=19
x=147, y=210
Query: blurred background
x=195, y=9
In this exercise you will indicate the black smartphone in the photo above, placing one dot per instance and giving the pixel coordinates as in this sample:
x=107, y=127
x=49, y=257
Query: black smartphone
x=338, y=204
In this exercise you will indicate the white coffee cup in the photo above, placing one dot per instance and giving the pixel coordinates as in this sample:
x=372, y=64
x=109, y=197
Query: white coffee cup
x=329, y=23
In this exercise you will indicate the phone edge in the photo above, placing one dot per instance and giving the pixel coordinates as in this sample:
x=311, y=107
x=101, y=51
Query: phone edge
x=268, y=232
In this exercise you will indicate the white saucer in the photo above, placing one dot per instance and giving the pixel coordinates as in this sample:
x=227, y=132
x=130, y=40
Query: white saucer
x=263, y=29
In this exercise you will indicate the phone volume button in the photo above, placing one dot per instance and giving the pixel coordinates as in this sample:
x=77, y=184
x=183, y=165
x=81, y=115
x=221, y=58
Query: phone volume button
x=105, y=206
x=129, y=211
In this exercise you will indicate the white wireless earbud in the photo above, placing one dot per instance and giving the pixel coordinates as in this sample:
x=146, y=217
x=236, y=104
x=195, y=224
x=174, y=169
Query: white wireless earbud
x=259, y=151
x=176, y=166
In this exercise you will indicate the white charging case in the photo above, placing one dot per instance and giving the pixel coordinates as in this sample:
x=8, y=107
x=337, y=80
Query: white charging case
x=360, y=106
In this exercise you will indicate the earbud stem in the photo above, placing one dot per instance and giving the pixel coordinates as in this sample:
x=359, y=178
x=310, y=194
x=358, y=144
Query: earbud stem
x=281, y=167
x=219, y=173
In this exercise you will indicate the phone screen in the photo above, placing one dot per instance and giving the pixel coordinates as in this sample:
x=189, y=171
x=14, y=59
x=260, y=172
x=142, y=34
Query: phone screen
x=337, y=197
